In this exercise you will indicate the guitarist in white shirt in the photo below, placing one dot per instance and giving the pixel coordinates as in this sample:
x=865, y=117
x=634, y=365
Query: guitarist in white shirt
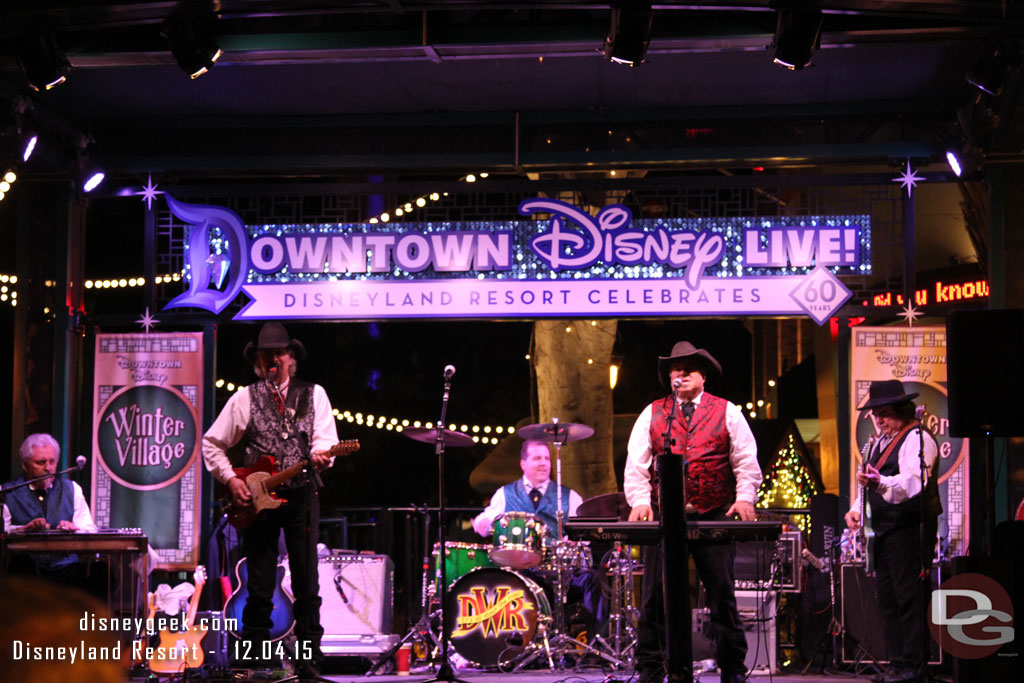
x=904, y=537
x=282, y=417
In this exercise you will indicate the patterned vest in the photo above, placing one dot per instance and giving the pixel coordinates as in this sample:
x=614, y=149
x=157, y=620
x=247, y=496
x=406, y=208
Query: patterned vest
x=886, y=516
x=517, y=499
x=267, y=433
x=705, y=442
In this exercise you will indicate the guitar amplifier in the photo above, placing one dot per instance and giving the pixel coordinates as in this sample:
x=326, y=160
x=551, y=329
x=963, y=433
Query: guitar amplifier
x=758, y=616
x=357, y=603
x=769, y=565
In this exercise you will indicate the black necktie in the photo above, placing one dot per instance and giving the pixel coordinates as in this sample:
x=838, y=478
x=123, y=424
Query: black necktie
x=688, y=410
x=535, y=495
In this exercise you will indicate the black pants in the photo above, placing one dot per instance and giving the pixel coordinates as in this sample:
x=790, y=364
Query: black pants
x=903, y=595
x=259, y=543
x=714, y=562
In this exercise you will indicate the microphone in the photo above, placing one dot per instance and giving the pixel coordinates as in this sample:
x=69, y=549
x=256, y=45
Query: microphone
x=449, y=370
x=272, y=373
x=919, y=413
x=676, y=383
x=80, y=462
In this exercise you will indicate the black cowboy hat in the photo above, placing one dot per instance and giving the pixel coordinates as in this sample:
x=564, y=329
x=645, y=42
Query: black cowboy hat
x=685, y=349
x=885, y=393
x=273, y=336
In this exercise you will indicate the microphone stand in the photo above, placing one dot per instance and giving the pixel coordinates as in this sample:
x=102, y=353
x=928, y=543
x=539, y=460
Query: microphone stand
x=444, y=671
x=313, y=485
x=924, y=576
x=675, y=556
x=3, y=502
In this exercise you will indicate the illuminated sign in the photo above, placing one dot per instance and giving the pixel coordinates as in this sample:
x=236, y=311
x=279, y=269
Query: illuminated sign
x=568, y=264
x=944, y=292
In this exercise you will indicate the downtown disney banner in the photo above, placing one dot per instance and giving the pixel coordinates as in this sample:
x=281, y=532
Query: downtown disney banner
x=557, y=261
x=146, y=426
x=917, y=357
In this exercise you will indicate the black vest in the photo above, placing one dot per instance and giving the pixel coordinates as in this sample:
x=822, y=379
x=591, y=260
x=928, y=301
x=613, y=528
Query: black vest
x=886, y=516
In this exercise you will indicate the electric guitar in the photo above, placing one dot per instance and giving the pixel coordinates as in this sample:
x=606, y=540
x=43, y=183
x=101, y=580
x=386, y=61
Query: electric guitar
x=182, y=650
x=866, y=533
x=263, y=479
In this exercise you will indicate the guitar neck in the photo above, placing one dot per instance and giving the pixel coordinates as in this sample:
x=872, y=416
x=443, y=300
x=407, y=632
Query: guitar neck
x=340, y=448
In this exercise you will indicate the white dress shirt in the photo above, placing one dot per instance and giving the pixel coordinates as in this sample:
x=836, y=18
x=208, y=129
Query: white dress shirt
x=742, y=456
x=229, y=428
x=907, y=482
x=485, y=520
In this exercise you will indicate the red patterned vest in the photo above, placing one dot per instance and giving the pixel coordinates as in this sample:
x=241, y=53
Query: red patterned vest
x=710, y=482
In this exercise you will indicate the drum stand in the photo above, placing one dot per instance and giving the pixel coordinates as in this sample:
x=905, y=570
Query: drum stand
x=622, y=613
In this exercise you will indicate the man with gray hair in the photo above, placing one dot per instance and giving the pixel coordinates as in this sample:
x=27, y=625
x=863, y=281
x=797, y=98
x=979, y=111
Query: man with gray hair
x=50, y=503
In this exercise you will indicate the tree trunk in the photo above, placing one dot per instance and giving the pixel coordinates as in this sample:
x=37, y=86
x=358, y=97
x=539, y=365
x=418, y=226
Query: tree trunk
x=571, y=358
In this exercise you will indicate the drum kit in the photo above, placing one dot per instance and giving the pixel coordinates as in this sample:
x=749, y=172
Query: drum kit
x=504, y=617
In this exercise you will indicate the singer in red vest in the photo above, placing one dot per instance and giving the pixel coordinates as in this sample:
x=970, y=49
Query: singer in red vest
x=722, y=480
x=904, y=518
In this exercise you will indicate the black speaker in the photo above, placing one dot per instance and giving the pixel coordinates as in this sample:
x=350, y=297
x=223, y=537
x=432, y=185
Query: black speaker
x=985, y=371
x=863, y=634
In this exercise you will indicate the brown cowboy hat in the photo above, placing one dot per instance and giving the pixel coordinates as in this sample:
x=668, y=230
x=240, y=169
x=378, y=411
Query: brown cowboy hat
x=685, y=349
x=273, y=336
x=886, y=393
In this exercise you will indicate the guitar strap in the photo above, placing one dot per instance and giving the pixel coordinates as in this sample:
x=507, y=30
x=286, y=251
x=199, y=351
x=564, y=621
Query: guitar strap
x=892, y=445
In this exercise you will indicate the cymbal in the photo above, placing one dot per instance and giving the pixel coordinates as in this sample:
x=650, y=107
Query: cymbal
x=430, y=436
x=562, y=432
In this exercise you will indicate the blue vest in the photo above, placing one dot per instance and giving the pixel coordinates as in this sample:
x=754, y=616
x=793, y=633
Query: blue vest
x=517, y=499
x=25, y=506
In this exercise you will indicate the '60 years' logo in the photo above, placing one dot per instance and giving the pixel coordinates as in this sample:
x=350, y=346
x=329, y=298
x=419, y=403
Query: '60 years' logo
x=146, y=436
x=971, y=616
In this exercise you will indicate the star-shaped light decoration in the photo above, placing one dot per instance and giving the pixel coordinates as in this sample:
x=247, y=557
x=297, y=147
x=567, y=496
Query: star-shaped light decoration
x=149, y=192
x=908, y=179
x=910, y=314
x=148, y=321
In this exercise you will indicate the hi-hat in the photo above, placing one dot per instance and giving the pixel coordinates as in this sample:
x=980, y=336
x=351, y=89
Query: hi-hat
x=449, y=437
x=561, y=432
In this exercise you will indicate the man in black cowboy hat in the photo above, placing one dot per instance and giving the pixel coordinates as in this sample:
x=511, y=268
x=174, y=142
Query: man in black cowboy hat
x=903, y=545
x=285, y=418
x=722, y=480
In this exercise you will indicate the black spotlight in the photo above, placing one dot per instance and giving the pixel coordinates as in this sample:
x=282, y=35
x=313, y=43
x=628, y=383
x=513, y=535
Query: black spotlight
x=629, y=34
x=797, y=36
x=990, y=72
x=43, y=62
x=188, y=30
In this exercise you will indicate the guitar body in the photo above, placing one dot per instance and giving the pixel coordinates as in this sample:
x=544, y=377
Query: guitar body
x=180, y=650
x=263, y=479
x=867, y=534
x=281, y=615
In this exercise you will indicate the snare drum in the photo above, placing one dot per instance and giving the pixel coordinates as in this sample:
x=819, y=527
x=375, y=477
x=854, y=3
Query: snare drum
x=496, y=614
x=459, y=559
x=519, y=539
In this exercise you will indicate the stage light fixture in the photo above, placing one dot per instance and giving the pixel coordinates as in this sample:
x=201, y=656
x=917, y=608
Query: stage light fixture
x=188, y=31
x=92, y=176
x=797, y=36
x=990, y=72
x=42, y=60
x=27, y=143
x=629, y=34
x=953, y=158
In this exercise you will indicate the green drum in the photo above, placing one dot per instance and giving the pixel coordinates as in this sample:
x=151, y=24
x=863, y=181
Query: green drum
x=459, y=560
x=519, y=539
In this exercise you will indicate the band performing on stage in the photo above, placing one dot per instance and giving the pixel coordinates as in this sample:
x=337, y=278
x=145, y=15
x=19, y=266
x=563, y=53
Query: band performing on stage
x=554, y=581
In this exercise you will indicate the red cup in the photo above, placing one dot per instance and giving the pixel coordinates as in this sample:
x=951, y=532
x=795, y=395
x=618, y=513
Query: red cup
x=402, y=659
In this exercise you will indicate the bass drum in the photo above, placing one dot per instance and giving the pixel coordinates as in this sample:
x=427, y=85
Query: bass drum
x=495, y=615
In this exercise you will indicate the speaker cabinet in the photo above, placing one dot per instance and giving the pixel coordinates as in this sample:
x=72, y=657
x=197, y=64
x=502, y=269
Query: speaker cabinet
x=357, y=594
x=985, y=372
x=863, y=634
x=758, y=614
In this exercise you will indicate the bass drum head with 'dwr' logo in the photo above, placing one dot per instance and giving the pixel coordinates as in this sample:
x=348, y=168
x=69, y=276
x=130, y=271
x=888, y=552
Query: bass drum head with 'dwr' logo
x=494, y=615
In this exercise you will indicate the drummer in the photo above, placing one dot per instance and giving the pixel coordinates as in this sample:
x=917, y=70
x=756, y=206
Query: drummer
x=530, y=494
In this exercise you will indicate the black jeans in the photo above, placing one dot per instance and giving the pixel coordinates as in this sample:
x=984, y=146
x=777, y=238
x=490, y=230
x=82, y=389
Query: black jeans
x=714, y=562
x=903, y=595
x=259, y=543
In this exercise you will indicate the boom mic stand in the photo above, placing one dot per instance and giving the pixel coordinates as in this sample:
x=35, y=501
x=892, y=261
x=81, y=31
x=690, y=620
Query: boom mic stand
x=444, y=671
